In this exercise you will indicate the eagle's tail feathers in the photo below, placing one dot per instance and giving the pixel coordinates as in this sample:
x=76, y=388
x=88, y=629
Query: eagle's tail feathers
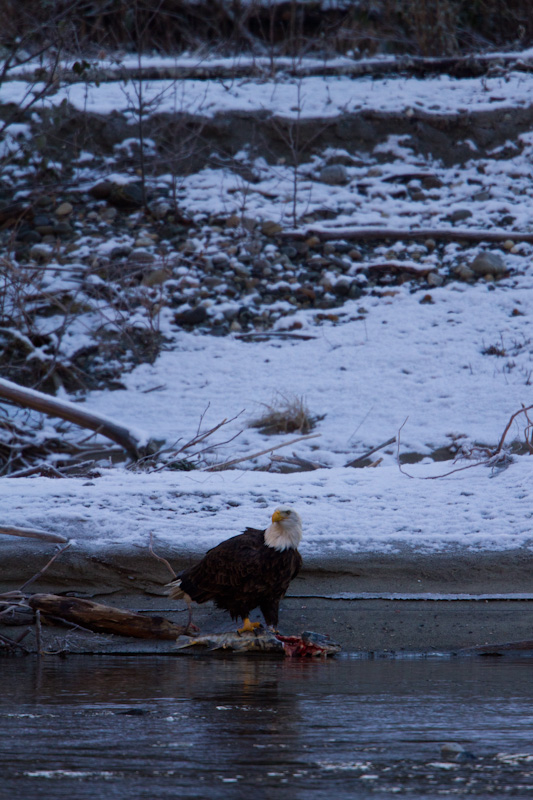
x=176, y=592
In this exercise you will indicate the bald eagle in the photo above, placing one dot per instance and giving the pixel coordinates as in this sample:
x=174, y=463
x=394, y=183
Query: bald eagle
x=251, y=570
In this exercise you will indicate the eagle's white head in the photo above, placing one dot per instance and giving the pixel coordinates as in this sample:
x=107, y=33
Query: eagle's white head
x=285, y=530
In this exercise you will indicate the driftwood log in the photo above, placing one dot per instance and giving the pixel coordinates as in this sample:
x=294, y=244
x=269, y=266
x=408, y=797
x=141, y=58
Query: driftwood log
x=443, y=234
x=72, y=412
x=31, y=533
x=105, y=619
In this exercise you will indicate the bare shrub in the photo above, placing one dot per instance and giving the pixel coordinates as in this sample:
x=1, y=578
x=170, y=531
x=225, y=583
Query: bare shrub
x=285, y=414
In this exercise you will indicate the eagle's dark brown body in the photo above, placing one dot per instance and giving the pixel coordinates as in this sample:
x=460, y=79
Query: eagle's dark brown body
x=243, y=573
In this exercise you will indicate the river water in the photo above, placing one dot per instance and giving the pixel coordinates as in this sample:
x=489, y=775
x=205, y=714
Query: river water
x=207, y=727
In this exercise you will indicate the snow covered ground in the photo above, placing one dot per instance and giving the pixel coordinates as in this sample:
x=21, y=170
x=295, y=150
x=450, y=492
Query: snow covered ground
x=345, y=512
x=452, y=362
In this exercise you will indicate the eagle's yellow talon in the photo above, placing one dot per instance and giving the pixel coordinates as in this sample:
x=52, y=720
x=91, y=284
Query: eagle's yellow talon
x=248, y=627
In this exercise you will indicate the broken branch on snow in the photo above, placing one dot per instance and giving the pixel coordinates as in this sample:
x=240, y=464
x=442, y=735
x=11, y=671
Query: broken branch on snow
x=444, y=234
x=228, y=464
x=30, y=533
x=44, y=403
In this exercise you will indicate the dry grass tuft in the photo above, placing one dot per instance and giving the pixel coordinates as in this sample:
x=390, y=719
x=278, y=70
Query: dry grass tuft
x=286, y=414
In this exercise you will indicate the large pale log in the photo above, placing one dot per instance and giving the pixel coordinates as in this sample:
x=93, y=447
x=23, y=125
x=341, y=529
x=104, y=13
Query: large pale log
x=46, y=404
x=105, y=619
x=443, y=234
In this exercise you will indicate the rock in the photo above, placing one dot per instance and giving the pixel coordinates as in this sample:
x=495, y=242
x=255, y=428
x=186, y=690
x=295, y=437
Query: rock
x=488, y=263
x=109, y=214
x=192, y=316
x=28, y=236
x=140, y=258
x=160, y=210
x=122, y=195
x=342, y=287
x=432, y=182
x=459, y=214
x=464, y=273
x=101, y=190
x=334, y=175
x=157, y=277
x=234, y=221
x=434, y=279
x=121, y=251
x=43, y=201
x=453, y=751
x=64, y=210
x=41, y=253
x=269, y=228
x=42, y=220
x=62, y=228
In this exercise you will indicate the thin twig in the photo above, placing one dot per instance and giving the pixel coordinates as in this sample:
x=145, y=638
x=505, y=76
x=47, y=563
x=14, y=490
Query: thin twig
x=38, y=574
x=374, y=450
x=398, y=449
x=274, y=334
x=38, y=633
x=491, y=454
x=523, y=410
x=160, y=558
x=12, y=643
x=227, y=464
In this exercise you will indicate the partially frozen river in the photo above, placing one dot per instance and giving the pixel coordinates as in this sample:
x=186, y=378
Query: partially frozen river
x=207, y=727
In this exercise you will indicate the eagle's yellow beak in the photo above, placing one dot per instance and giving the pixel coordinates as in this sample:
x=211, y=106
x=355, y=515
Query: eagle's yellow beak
x=278, y=515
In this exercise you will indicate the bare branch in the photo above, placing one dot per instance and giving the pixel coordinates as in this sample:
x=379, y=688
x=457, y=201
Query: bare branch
x=227, y=464
x=43, y=570
x=523, y=410
x=30, y=533
x=374, y=450
x=160, y=558
x=490, y=454
x=29, y=398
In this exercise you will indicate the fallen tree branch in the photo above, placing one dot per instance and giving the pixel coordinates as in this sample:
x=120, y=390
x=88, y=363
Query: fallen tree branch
x=304, y=463
x=12, y=643
x=490, y=455
x=105, y=619
x=370, y=452
x=45, y=470
x=227, y=464
x=444, y=234
x=44, y=403
x=274, y=335
x=29, y=533
x=524, y=411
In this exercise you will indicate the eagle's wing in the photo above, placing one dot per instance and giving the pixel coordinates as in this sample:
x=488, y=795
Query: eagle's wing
x=234, y=563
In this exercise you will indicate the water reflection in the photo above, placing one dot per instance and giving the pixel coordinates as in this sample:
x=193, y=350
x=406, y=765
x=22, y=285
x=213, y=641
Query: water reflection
x=230, y=727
